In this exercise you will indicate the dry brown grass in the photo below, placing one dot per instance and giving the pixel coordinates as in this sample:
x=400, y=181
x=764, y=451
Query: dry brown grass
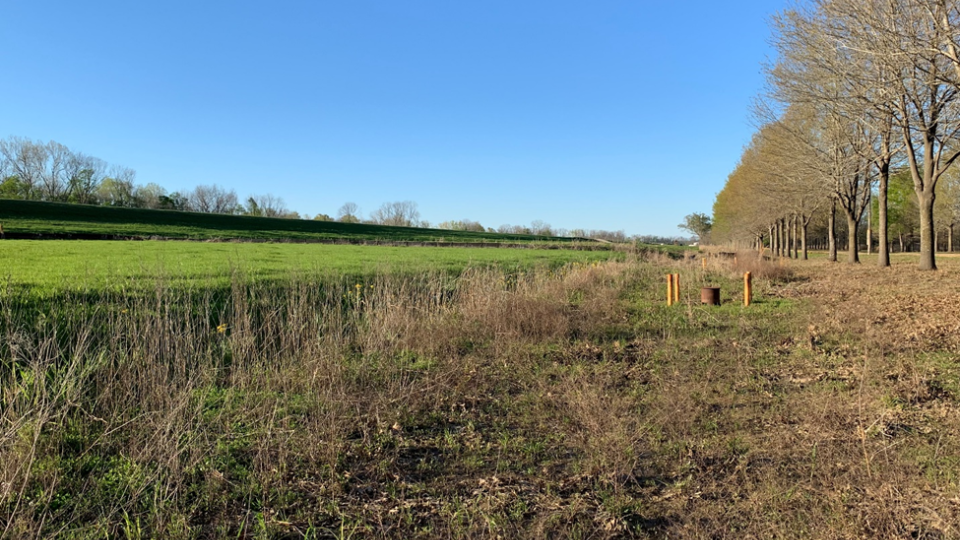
x=570, y=403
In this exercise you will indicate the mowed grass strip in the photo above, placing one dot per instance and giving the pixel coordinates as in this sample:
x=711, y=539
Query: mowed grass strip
x=55, y=219
x=55, y=264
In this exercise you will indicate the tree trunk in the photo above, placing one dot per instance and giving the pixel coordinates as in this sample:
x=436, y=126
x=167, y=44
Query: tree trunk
x=883, y=243
x=786, y=238
x=869, y=222
x=950, y=238
x=803, y=235
x=772, y=239
x=832, y=231
x=789, y=235
x=927, y=236
x=794, y=238
x=779, y=232
x=853, y=250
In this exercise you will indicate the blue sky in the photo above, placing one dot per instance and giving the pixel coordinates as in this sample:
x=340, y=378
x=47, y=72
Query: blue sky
x=598, y=115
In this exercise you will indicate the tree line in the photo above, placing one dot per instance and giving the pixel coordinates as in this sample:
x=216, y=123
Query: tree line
x=34, y=170
x=857, y=134
x=38, y=171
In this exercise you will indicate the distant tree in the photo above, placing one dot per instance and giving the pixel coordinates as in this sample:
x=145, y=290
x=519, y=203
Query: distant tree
x=397, y=214
x=53, y=184
x=322, y=217
x=11, y=188
x=265, y=206
x=349, y=213
x=149, y=196
x=903, y=211
x=213, y=199
x=609, y=236
x=697, y=224
x=948, y=201
x=513, y=229
x=465, y=225
x=25, y=159
x=174, y=201
x=84, y=174
x=252, y=208
x=540, y=228
x=115, y=192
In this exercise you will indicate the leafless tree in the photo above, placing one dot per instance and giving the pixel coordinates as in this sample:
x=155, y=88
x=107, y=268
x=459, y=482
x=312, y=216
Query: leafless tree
x=84, y=174
x=53, y=184
x=349, y=213
x=912, y=43
x=397, y=214
x=213, y=199
x=25, y=160
x=540, y=228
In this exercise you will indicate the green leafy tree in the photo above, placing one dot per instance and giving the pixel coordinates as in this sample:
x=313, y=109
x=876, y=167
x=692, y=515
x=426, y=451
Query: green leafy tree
x=697, y=224
x=11, y=188
x=903, y=210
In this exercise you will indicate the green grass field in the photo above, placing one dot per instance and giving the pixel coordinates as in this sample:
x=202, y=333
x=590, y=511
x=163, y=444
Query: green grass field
x=53, y=219
x=56, y=264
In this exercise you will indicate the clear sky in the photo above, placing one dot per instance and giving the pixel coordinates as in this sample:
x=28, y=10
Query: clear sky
x=601, y=114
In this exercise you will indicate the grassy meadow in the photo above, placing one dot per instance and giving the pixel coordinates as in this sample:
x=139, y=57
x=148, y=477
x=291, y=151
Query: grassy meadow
x=565, y=400
x=54, y=265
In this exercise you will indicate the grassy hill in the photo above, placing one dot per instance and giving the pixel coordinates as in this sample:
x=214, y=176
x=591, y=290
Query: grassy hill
x=32, y=219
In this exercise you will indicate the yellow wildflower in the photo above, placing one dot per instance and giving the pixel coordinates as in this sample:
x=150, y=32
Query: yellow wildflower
x=221, y=328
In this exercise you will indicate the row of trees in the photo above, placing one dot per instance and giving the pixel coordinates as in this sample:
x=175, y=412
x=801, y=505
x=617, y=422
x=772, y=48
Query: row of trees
x=861, y=91
x=31, y=170
x=406, y=214
x=52, y=172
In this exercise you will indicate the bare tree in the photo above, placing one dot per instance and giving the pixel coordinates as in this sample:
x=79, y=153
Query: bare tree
x=349, y=213
x=539, y=228
x=397, y=214
x=266, y=205
x=25, y=161
x=84, y=174
x=213, y=199
x=914, y=43
x=53, y=183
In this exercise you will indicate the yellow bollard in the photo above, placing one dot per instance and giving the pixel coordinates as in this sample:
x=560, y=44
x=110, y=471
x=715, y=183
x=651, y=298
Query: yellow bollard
x=747, y=289
x=676, y=288
x=669, y=289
